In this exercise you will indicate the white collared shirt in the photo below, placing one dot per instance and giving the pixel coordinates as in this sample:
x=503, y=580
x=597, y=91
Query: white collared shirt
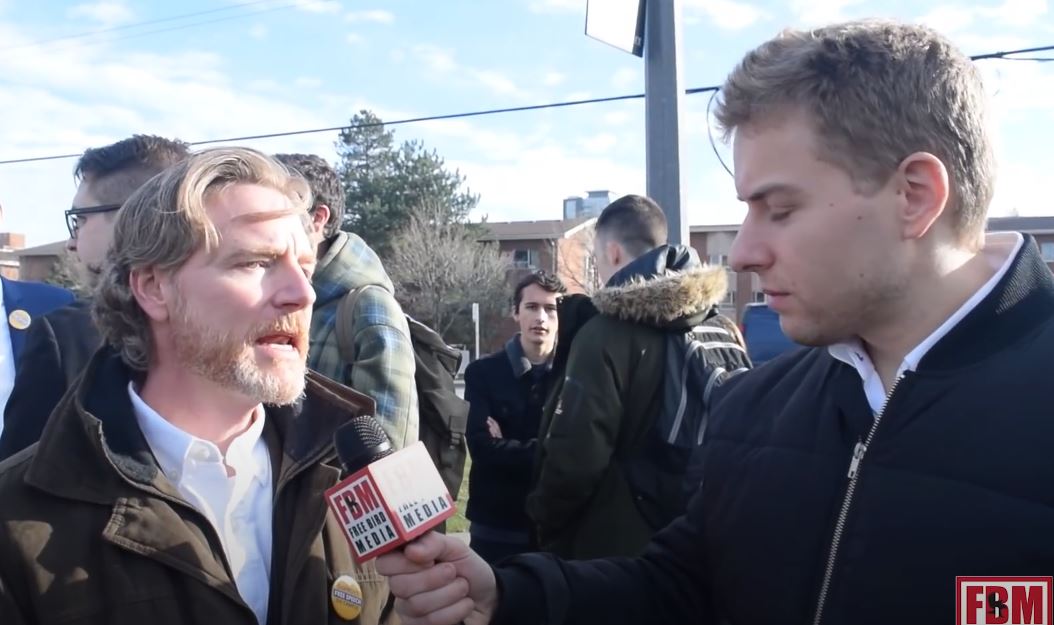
x=1000, y=249
x=7, y=362
x=239, y=507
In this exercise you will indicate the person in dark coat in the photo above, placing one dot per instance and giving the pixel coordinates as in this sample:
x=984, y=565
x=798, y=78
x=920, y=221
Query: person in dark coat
x=58, y=345
x=855, y=480
x=506, y=392
x=609, y=394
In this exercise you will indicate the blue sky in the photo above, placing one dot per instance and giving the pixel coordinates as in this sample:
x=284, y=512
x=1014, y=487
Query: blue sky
x=279, y=65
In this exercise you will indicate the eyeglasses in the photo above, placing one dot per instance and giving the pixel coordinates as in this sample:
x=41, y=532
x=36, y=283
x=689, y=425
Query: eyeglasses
x=75, y=216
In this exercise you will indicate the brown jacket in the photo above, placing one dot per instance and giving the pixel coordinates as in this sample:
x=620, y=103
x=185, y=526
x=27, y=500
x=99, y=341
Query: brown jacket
x=91, y=531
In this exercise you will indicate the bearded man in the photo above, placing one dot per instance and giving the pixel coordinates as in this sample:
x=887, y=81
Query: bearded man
x=181, y=480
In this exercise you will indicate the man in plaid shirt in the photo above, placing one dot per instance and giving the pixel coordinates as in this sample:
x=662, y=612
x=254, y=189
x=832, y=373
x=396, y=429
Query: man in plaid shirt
x=382, y=365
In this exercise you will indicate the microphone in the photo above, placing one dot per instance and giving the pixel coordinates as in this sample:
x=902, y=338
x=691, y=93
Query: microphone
x=388, y=498
x=360, y=442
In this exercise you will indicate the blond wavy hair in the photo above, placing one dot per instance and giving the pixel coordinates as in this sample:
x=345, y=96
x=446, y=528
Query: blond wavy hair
x=164, y=223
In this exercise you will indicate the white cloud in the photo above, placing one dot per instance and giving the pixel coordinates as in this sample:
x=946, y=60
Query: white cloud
x=726, y=14
x=980, y=43
x=625, y=78
x=64, y=101
x=265, y=85
x=555, y=172
x=441, y=61
x=1019, y=87
x=437, y=59
x=496, y=145
x=375, y=15
x=1018, y=13
x=616, y=118
x=497, y=82
x=527, y=172
x=948, y=19
x=106, y=14
x=553, y=79
x=558, y=6
x=600, y=143
x=356, y=39
x=318, y=6
x=259, y=31
x=813, y=12
x=954, y=19
x=307, y=82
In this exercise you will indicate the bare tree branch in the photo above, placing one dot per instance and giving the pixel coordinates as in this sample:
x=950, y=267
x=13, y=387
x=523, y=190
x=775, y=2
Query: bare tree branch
x=440, y=269
x=65, y=273
x=578, y=269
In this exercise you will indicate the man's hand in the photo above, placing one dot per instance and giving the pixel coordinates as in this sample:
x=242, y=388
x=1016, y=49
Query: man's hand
x=494, y=428
x=438, y=580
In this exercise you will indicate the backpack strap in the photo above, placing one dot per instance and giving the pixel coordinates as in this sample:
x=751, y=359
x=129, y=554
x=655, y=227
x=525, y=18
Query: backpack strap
x=344, y=322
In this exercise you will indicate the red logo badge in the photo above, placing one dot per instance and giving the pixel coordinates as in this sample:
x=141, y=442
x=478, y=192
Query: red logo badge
x=1004, y=600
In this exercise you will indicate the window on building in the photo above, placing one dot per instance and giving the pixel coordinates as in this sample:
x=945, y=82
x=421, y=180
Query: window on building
x=717, y=260
x=525, y=259
x=1047, y=249
x=759, y=297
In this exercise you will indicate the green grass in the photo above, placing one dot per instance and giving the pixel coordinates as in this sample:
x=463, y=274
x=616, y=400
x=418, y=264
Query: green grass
x=458, y=522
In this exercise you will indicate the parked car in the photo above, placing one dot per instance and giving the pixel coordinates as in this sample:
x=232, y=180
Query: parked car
x=763, y=335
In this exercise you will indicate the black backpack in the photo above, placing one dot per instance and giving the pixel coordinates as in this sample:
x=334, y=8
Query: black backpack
x=443, y=415
x=696, y=363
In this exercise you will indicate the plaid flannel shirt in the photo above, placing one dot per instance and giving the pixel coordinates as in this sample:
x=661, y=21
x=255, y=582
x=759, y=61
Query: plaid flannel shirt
x=383, y=363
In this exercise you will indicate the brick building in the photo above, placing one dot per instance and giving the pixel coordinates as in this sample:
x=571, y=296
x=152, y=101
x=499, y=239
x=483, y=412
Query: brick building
x=563, y=247
x=36, y=263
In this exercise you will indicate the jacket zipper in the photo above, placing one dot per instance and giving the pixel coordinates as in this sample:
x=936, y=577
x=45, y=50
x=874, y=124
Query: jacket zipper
x=839, y=528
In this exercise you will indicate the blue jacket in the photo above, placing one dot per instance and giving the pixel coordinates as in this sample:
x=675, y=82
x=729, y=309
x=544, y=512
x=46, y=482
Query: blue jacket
x=36, y=299
x=956, y=480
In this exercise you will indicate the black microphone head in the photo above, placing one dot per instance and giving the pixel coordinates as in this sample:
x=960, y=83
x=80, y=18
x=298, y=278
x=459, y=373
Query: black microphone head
x=360, y=442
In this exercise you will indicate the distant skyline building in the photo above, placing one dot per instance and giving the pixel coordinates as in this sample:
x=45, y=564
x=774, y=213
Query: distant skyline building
x=589, y=206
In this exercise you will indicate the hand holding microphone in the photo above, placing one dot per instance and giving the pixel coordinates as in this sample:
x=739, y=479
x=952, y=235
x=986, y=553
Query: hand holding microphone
x=389, y=499
x=438, y=580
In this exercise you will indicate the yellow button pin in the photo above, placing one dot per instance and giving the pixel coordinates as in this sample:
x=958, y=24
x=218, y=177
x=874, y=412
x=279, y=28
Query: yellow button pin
x=346, y=597
x=19, y=319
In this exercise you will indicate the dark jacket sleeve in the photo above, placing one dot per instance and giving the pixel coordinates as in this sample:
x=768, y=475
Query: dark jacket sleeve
x=485, y=449
x=668, y=584
x=582, y=435
x=40, y=383
x=8, y=608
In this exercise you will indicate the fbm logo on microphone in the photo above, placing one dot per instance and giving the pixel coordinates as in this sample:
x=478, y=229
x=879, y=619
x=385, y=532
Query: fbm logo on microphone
x=365, y=519
x=390, y=502
x=1004, y=600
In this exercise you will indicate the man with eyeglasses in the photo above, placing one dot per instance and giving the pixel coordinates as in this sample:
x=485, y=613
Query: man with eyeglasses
x=59, y=344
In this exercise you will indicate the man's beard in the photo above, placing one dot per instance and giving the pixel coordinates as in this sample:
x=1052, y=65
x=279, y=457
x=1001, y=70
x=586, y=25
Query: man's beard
x=230, y=361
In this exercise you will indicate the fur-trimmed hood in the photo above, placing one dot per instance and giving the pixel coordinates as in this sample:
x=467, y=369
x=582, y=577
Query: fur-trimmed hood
x=666, y=288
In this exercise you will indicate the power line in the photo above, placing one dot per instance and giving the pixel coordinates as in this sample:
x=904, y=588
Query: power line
x=1009, y=53
x=103, y=31
x=516, y=109
x=411, y=120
